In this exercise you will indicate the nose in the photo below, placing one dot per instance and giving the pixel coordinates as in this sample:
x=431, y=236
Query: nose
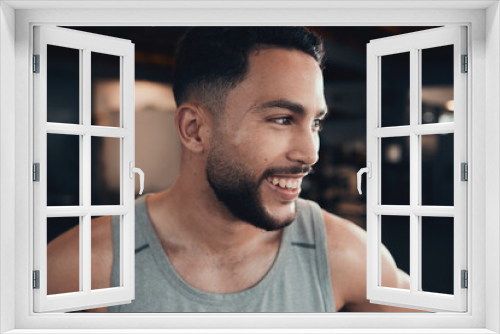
x=304, y=147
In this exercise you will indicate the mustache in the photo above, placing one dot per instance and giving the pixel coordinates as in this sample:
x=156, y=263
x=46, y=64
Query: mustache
x=306, y=169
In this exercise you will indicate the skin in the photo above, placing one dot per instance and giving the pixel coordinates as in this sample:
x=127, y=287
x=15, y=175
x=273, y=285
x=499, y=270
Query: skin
x=271, y=121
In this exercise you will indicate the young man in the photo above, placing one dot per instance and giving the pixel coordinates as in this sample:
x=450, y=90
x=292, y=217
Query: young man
x=232, y=234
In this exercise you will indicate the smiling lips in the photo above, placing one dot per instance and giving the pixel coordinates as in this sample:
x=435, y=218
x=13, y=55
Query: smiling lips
x=287, y=188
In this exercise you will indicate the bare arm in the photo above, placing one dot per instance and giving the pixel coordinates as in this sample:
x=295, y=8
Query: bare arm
x=347, y=256
x=63, y=256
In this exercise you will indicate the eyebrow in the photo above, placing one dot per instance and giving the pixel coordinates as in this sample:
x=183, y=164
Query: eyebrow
x=296, y=108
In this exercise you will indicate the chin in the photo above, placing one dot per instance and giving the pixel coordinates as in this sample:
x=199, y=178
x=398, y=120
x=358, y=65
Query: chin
x=289, y=208
x=283, y=211
x=284, y=223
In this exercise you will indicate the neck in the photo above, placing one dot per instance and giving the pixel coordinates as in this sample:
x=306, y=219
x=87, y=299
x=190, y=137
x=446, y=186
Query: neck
x=189, y=216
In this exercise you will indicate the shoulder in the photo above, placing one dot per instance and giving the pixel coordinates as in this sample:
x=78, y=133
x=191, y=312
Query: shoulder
x=63, y=258
x=346, y=246
x=343, y=235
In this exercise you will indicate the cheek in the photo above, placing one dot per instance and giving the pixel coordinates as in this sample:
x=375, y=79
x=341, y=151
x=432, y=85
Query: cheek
x=241, y=138
x=259, y=146
x=259, y=153
x=248, y=141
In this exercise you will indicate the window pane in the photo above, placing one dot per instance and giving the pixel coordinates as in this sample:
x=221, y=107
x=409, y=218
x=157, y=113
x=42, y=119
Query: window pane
x=395, y=232
x=105, y=171
x=63, y=170
x=100, y=252
x=105, y=89
x=63, y=85
x=437, y=254
x=395, y=81
x=395, y=171
x=437, y=84
x=437, y=169
x=59, y=231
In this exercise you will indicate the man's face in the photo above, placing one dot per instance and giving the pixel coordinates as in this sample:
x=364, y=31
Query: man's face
x=267, y=139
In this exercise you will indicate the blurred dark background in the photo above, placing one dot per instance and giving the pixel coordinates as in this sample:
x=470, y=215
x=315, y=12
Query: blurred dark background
x=343, y=139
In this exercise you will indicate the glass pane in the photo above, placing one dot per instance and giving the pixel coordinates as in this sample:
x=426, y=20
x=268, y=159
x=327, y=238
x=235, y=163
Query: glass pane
x=63, y=170
x=395, y=81
x=105, y=89
x=63, y=232
x=100, y=246
x=105, y=170
x=437, y=169
x=395, y=171
x=437, y=254
x=63, y=85
x=395, y=232
x=437, y=84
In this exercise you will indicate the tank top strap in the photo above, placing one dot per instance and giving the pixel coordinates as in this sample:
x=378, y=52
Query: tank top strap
x=309, y=232
x=141, y=242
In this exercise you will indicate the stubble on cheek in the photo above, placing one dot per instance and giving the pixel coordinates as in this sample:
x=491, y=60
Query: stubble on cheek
x=244, y=137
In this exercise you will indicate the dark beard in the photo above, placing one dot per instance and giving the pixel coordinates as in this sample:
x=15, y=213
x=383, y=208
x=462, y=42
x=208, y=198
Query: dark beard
x=234, y=187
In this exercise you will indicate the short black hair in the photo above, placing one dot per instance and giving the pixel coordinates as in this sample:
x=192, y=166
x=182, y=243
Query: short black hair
x=210, y=61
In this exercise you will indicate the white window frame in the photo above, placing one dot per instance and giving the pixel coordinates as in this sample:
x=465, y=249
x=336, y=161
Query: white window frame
x=483, y=21
x=85, y=44
x=413, y=44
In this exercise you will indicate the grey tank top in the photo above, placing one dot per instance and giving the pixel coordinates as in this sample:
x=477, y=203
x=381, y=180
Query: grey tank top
x=298, y=281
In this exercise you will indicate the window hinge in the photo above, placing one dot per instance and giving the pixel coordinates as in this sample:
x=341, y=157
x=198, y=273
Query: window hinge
x=36, y=172
x=36, y=63
x=465, y=64
x=464, y=171
x=36, y=279
x=465, y=279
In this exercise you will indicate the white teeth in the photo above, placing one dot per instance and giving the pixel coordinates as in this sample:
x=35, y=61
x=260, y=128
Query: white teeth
x=286, y=184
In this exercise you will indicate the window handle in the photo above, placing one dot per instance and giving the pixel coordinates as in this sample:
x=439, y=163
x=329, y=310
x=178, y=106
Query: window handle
x=138, y=171
x=368, y=171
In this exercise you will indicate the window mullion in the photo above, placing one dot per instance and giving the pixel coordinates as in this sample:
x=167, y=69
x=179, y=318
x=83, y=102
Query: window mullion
x=419, y=129
x=85, y=165
x=415, y=172
x=435, y=128
x=392, y=210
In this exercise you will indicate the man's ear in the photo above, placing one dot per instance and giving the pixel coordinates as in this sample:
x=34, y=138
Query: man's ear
x=193, y=126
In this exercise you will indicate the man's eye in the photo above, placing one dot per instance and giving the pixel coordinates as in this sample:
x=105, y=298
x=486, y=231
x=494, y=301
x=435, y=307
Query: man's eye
x=282, y=120
x=318, y=124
